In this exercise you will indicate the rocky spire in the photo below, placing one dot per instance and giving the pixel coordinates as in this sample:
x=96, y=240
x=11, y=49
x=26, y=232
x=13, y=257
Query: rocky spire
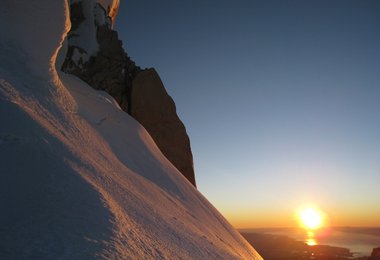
x=96, y=55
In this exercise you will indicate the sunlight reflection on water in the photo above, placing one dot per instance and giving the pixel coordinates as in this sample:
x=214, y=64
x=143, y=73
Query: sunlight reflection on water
x=310, y=240
x=360, y=241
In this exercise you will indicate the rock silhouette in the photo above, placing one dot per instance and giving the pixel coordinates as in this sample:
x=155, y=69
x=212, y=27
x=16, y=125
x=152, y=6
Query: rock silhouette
x=96, y=55
x=155, y=110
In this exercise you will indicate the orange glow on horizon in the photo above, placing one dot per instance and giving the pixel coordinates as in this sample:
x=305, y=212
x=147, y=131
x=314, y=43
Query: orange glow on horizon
x=287, y=218
x=254, y=220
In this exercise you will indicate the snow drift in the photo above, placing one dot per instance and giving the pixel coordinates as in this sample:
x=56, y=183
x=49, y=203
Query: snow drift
x=79, y=178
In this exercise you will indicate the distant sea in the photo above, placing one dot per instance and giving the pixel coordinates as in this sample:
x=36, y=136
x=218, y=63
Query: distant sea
x=359, y=241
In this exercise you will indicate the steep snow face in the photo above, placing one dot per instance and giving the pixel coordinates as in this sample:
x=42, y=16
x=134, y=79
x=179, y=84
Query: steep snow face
x=36, y=30
x=79, y=178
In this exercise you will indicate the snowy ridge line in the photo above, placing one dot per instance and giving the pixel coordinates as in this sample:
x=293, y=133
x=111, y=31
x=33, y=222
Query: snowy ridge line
x=79, y=190
x=54, y=59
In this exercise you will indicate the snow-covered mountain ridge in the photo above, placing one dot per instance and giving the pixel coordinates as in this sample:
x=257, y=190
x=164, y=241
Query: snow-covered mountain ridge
x=79, y=178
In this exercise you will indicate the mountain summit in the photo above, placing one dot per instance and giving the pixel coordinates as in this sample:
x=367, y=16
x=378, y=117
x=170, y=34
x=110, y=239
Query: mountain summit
x=79, y=177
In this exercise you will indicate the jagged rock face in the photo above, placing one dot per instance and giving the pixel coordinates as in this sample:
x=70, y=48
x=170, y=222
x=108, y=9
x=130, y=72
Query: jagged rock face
x=155, y=110
x=96, y=55
x=112, y=7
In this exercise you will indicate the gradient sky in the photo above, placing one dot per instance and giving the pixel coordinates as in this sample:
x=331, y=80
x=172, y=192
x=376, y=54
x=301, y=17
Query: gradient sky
x=281, y=100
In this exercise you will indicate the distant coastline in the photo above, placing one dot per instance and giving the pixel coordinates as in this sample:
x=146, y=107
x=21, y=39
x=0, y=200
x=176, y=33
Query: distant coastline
x=335, y=243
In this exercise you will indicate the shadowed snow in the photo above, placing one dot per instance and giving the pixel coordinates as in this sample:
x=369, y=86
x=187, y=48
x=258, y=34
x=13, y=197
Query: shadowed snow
x=80, y=179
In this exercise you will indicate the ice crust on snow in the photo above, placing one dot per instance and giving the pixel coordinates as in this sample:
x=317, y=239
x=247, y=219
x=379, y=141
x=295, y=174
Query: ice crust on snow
x=96, y=13
x=87, y=31
x=79, y=178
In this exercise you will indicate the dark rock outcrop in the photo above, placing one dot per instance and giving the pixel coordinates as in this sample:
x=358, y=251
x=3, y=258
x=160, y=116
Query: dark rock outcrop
x=155, y=110
x=96, y=55
x=110, y=69
x=375, y=255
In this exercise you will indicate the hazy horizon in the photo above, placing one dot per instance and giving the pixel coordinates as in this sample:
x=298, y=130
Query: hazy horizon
x=359, y=241
x=280, y=100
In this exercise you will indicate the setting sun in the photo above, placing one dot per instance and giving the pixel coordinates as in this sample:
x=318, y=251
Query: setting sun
x=311, y=218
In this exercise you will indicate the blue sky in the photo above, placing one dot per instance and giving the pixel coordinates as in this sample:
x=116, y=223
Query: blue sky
x=280, y=100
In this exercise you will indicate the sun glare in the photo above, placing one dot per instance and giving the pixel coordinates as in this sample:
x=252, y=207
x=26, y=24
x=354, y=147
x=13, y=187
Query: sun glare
x=311, y=218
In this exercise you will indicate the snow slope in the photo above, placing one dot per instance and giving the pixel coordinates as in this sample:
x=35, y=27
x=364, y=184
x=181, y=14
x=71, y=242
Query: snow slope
x=79, y=178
